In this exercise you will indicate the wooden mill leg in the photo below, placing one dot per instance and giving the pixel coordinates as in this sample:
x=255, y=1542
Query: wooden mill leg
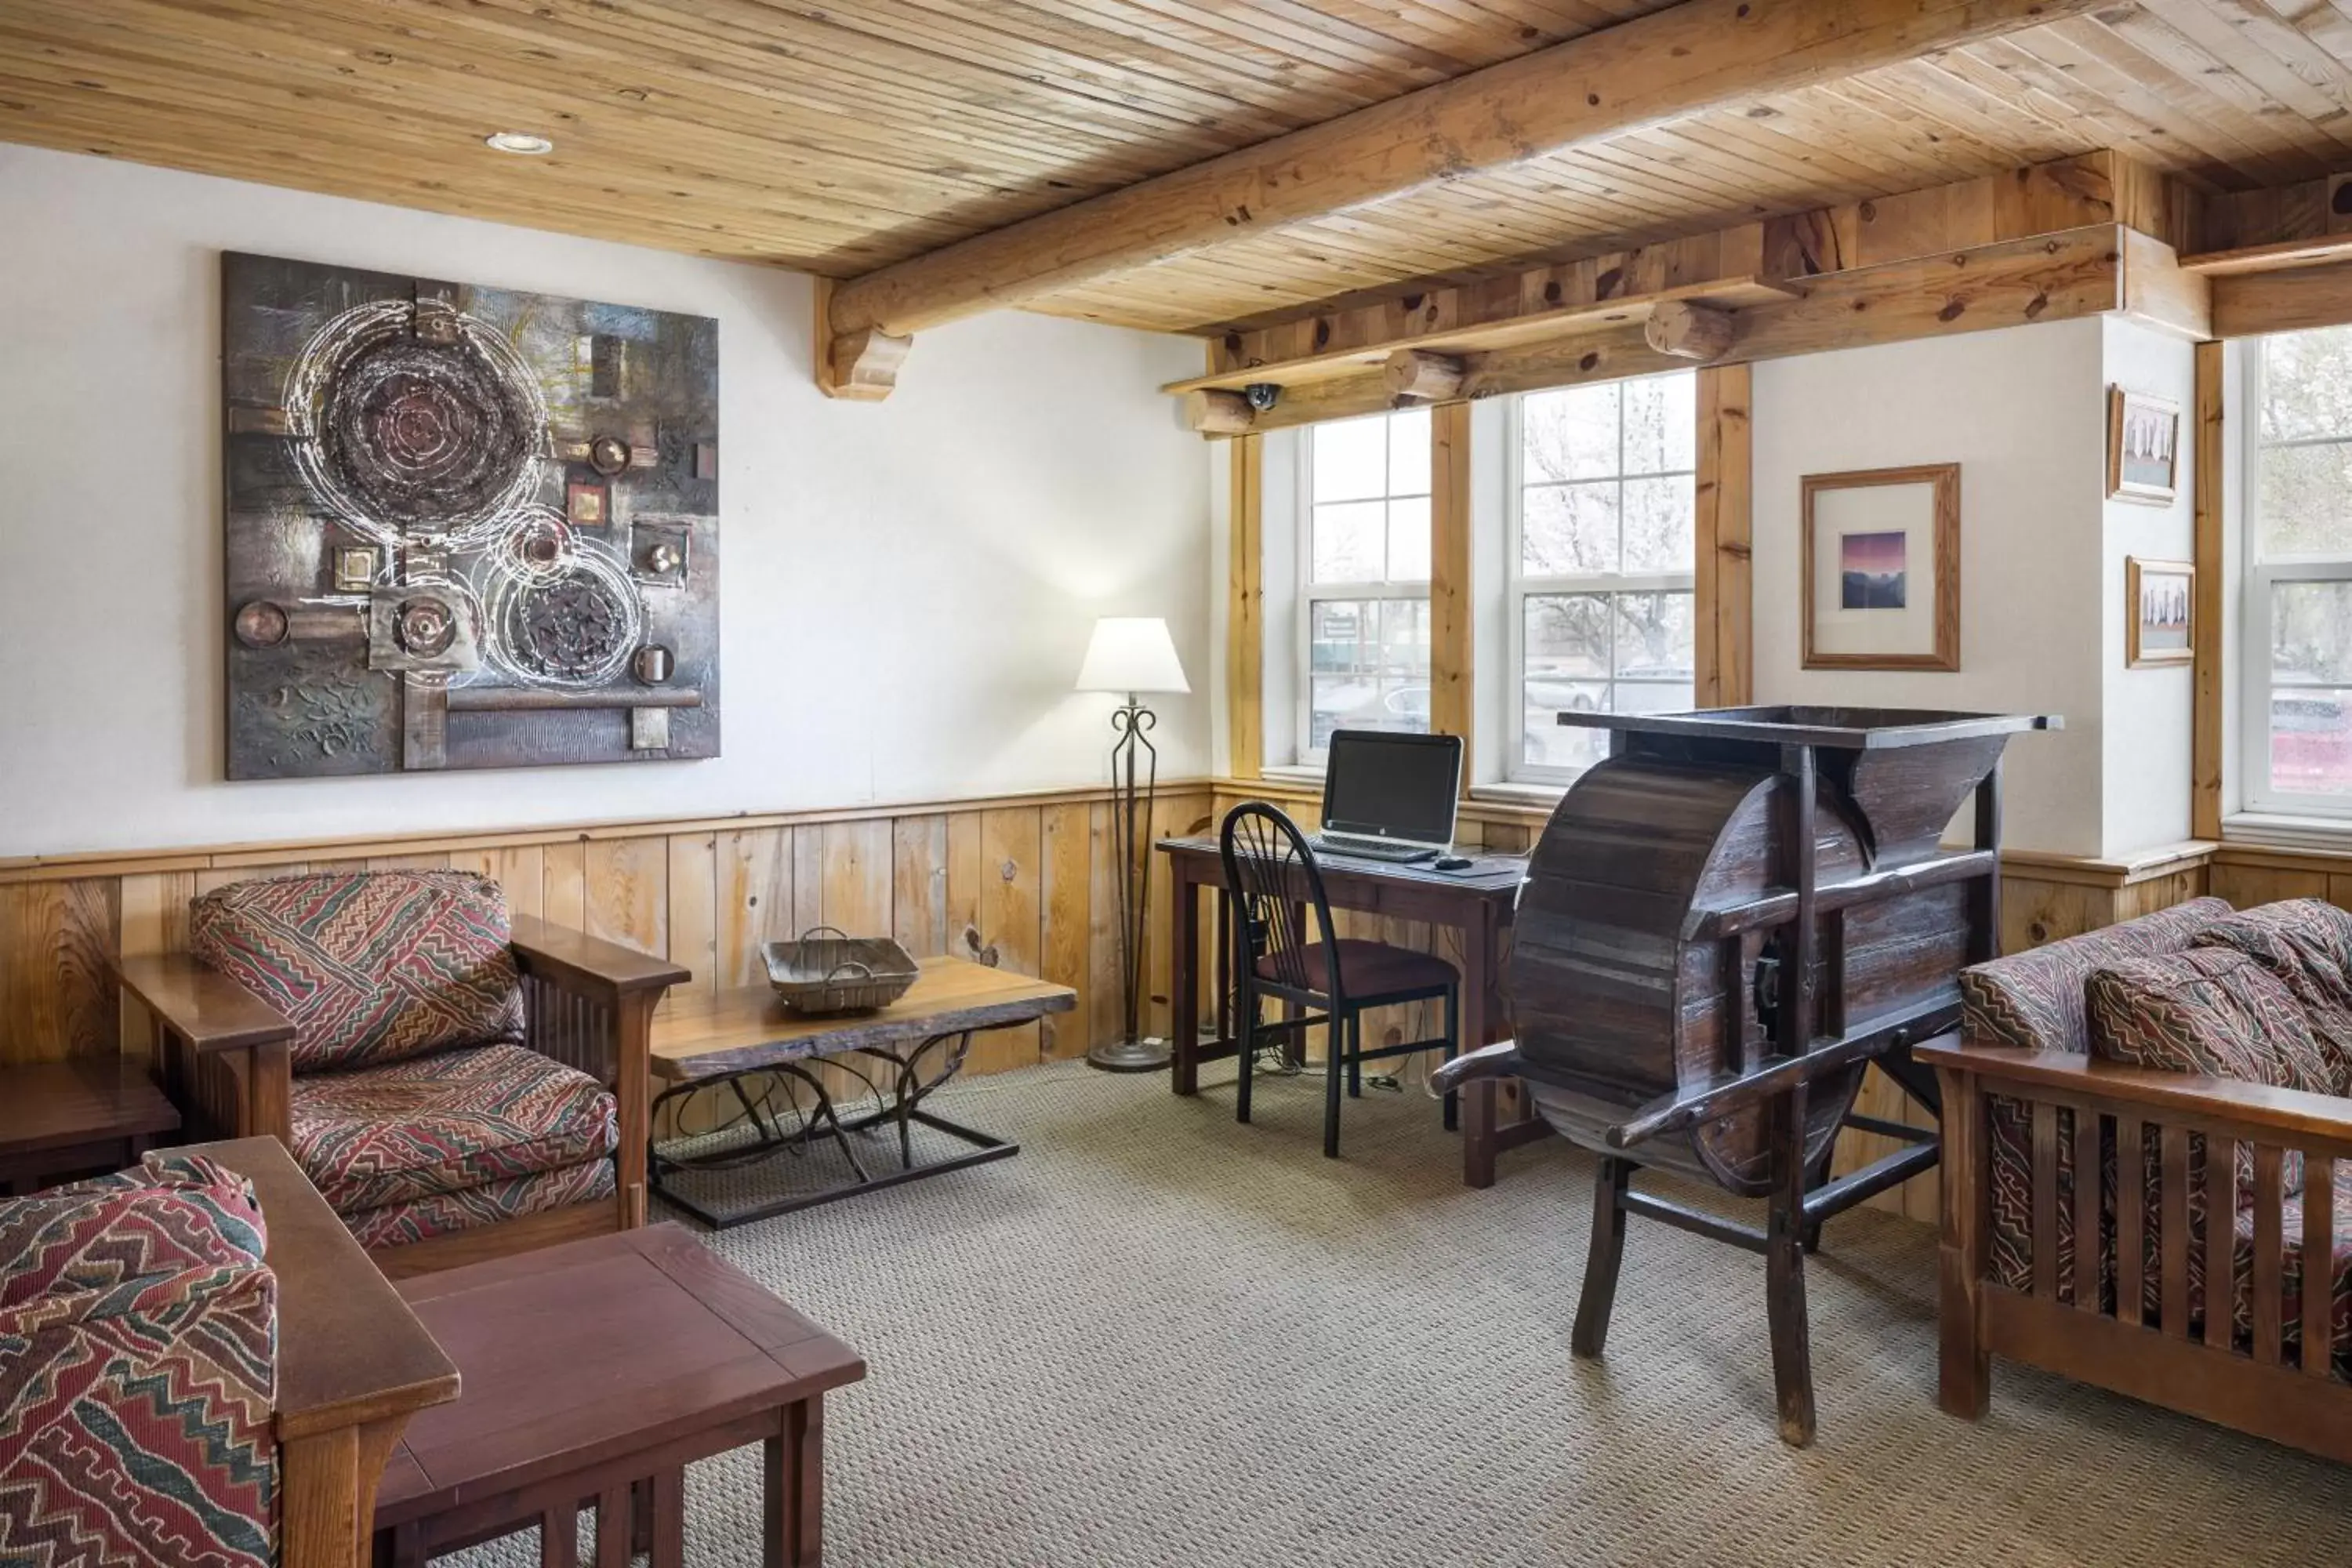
x=1784, y=1274
x=1601, y=1260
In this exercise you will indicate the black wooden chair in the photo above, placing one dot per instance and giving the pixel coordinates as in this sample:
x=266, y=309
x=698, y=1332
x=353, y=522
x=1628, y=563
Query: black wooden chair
x=1274, y=881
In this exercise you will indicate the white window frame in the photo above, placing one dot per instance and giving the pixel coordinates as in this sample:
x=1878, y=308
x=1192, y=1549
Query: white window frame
x=1518, y=586
x=1302, y=651
x=2258, y=575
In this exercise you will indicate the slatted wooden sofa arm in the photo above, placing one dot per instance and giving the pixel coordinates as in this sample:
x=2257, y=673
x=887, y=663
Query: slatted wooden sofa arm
x=222, y=1052
x=589, y=1004
x=2251, y=1112
x=2142, y=1337
x=600, y=970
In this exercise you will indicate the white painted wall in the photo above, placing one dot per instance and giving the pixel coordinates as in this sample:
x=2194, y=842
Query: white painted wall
x=2021, y=412
x=2145, y=787
x=908, y=587
x=2024, y=412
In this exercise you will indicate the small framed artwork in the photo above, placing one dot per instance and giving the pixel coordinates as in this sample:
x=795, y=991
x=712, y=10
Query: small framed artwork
x=2143, y=447
x=2161, y=625
x=1880, y=569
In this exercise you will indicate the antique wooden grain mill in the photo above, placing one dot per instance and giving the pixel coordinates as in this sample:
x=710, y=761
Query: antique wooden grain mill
x=1725, y=923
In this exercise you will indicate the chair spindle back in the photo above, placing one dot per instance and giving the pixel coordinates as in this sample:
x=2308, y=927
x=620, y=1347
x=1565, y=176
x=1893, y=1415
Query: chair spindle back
x=1275, y=883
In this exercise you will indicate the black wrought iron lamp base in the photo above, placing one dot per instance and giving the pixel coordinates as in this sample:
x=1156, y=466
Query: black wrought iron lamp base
x=1131, y=801
x=1130, y=1056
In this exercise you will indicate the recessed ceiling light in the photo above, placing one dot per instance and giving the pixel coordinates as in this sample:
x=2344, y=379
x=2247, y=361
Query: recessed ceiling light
x=518, y=141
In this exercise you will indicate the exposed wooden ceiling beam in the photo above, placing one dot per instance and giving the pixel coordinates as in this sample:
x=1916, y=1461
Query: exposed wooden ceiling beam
x=1623, y=79
x=2093, y=269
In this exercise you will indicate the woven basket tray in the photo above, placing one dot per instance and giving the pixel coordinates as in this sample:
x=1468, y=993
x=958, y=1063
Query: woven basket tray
x=838, y=973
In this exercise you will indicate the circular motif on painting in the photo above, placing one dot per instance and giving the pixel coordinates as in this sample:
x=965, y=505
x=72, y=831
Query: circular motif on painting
x=408, y=434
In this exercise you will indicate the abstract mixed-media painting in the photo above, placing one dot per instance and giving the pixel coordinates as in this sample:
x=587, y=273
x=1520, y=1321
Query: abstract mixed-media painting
x=466, y=527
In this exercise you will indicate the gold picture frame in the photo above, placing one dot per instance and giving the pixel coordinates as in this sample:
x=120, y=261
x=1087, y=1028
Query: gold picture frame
x=1892, y=599
x=2143, y=447
x=2169, y=589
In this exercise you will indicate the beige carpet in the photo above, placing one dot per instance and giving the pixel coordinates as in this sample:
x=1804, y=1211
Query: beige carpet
x=1158, y=1338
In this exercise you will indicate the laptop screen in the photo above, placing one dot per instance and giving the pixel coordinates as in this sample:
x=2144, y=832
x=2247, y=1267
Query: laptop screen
x=1382, y=785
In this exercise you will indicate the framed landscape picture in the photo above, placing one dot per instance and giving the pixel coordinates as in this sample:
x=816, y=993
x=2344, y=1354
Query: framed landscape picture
x=2143, y=447
x=1880, y=569
x=2160, y=624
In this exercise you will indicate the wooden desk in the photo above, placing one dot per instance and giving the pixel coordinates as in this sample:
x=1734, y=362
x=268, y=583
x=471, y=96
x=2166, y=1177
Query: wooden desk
x=1477, y=903
x=353, y=1363
x=921, y=1038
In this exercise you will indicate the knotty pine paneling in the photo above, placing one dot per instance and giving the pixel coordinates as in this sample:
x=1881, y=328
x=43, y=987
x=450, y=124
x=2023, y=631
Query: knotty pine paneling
x=1024, y=882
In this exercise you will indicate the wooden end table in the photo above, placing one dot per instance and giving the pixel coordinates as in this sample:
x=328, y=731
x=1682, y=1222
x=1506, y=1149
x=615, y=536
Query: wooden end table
x=73, y=1118
x=593, y=1373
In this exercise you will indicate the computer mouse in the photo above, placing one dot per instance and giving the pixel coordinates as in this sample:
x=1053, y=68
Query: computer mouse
x=1452, y=862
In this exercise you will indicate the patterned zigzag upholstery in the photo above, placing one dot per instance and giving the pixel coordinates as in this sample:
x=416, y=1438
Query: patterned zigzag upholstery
x=415, y=1109
x=2214, y=1011
x=371, y=967
x=138, y=1352
x=421, y=1219
x=2035, y=1001
x=2307, y=944
x=444, y=1124
x=2264, y=997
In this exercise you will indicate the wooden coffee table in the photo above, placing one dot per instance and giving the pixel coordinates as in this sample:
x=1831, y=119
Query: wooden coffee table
x=593, y=1375
x=906, y=1052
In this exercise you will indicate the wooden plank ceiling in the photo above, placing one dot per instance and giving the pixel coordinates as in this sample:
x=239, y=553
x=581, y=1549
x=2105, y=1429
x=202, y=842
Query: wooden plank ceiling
x=841, y=136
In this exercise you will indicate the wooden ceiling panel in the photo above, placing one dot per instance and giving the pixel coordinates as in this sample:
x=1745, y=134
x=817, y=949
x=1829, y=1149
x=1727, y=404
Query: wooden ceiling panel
x=842, y=135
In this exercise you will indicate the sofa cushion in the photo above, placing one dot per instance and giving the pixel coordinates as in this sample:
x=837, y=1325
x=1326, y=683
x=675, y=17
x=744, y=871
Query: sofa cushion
x=2307, y=944
x=138, y=1355
x=443, y=1123
x=421, y=1219
x=369, y=966
x=2033, y=1000
x=2209, y=1010
x=175, y=1213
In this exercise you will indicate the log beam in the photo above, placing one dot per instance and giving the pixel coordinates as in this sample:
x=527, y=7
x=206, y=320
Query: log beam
x=1640, y=73
x=2084, y=271
x=1214, y=413
x=861, y=366
x=1415, y=376
x=1680, y=330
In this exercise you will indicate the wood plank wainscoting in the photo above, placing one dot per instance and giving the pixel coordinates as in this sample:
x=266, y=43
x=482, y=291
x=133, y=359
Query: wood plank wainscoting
x=1023, y=878
x=1023, y=881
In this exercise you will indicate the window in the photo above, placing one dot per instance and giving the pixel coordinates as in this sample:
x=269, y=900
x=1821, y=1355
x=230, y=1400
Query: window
x=1363, y=629
x=2297, y=656
x=1599, y=564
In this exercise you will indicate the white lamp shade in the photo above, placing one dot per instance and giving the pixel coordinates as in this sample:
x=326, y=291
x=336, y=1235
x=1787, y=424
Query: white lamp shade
x=1131, y=653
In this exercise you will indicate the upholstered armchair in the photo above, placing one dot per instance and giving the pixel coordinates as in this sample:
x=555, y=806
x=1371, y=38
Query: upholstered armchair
x=456, y=1084
x=203, y=1370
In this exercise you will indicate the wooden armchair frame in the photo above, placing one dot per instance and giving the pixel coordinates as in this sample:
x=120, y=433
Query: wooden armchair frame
x=353, y=1365
x=2263, y=1390
x=224, y=1057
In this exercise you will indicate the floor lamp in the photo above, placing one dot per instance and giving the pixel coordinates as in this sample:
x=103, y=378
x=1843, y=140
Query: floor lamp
x=1132, y=654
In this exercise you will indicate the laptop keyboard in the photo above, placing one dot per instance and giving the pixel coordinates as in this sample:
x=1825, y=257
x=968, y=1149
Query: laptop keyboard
x=1365, y=849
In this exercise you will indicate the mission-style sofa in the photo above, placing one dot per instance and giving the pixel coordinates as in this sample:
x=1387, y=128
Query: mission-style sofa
x=2141, y=1052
